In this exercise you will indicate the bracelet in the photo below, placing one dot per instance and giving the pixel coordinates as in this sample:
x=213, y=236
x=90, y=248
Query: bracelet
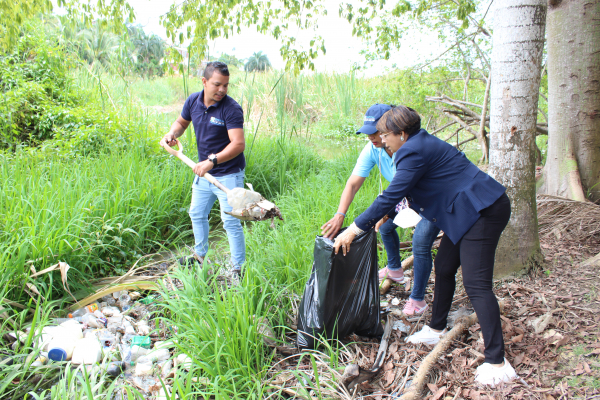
x=341, y=213
x=357, y=231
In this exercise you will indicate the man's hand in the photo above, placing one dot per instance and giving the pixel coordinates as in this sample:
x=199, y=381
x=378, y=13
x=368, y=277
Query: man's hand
x=170, y=139
x=203, y=167
x=381, y=222
x=333, y=226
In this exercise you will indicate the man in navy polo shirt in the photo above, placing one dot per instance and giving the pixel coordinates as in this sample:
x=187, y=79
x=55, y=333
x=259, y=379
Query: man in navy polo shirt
x=219, y=125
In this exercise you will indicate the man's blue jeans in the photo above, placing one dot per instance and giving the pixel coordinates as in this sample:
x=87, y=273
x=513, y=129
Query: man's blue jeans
x=204, y=195
x=423, y=238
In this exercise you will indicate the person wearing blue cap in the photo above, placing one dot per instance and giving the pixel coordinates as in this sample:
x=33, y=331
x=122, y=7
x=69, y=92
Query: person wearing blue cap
x=376, y=154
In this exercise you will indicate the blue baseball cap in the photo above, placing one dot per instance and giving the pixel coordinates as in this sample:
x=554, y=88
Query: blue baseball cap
x=371, y=117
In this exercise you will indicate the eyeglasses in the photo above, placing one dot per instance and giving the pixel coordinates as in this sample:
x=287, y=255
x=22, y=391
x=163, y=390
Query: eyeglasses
x=384, y=135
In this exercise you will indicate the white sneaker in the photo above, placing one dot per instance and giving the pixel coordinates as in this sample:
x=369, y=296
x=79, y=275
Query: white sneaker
x=487, y=374
x=425, y=336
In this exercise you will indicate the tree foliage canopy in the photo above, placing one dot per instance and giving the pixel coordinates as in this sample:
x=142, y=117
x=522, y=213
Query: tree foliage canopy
x=193, y=23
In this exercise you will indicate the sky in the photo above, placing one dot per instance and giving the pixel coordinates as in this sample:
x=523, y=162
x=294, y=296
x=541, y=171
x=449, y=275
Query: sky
x=343, y=50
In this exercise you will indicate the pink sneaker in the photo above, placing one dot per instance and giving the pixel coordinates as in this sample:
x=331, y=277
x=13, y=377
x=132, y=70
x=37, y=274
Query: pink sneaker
x=396, y=276
x=411, y=307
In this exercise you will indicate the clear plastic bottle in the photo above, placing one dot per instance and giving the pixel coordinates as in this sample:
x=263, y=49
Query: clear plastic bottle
x=124, y=302
x=91, y=321
x=90, y=308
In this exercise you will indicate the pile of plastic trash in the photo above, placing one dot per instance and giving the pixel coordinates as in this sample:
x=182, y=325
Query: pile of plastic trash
x=112, y=334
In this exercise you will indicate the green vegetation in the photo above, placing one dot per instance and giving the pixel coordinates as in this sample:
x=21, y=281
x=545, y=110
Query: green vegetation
x=85, y=182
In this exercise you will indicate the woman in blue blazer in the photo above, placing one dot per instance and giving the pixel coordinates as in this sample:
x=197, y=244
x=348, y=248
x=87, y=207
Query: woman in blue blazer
x=471, y=208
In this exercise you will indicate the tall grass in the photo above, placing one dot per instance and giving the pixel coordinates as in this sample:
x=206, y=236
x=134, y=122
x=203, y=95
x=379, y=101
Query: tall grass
x=100, y=212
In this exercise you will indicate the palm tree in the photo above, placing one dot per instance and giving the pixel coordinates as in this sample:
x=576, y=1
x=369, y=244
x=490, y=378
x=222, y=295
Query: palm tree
x=258, y=62
x=99, y=45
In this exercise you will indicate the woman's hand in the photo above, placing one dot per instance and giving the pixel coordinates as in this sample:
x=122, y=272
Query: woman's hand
x=381, y=222
x=344, y=241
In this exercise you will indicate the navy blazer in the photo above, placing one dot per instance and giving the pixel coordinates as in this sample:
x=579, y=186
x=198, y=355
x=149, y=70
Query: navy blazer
x=440, y=183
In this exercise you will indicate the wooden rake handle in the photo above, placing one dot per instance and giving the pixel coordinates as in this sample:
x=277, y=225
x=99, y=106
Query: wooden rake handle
x=179, y=154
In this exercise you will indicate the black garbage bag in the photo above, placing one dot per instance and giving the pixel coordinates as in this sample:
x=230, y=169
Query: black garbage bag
x=342, y=293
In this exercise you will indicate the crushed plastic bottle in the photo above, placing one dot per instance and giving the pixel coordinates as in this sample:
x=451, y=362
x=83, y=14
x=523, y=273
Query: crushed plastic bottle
x=137, y=352
x=143, y=366
x=111, y=311
x=107, y=339
x=166, y=367
x=93, y=322
x=142, y=328
x=159, y=354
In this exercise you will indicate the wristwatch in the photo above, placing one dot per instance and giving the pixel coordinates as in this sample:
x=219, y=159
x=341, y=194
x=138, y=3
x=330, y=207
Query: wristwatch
x=213, y=158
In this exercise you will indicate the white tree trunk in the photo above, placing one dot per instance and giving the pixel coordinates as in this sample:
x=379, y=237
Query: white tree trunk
x=573, y=164
x=518, y=44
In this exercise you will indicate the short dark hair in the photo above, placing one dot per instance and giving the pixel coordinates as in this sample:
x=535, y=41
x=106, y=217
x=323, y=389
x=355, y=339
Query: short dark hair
x=400, y=119
x=213, y=66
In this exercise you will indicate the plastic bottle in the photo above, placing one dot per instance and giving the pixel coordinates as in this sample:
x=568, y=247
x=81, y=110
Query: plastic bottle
x=91, y=321
x=107, y=339
x=124, y=302
x=46, y=337
x=87, y=351
x=111, y=312
x=165, y=368
x=109, y=300
x=90, y=308
x=137, y=352
x=115, y=368
x=61, y=320
x=63, y=341
x=143, y=366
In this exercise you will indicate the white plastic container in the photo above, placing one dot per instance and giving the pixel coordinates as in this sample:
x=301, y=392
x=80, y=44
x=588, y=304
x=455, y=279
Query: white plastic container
x=46, y=337
x=159, y=355
x=63, y=341
x=87, y=351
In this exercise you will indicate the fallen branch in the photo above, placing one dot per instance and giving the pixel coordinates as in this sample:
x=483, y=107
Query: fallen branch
x=420, y=379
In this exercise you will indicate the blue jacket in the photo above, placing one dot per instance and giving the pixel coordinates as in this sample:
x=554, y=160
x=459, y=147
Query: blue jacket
x=440, y=183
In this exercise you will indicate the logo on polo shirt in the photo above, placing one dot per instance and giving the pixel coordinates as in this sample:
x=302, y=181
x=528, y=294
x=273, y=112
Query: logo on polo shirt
x=368, y=118
x=217, y=121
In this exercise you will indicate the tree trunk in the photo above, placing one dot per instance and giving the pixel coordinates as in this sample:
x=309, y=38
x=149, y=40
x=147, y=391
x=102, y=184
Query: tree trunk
x=518, y=44
x=573, y=165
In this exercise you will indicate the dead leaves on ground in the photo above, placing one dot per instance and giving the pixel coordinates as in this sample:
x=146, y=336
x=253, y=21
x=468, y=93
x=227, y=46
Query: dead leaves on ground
x=551, y=334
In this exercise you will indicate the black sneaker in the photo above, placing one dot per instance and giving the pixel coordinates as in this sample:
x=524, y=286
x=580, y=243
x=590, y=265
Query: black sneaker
x=191, y=261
